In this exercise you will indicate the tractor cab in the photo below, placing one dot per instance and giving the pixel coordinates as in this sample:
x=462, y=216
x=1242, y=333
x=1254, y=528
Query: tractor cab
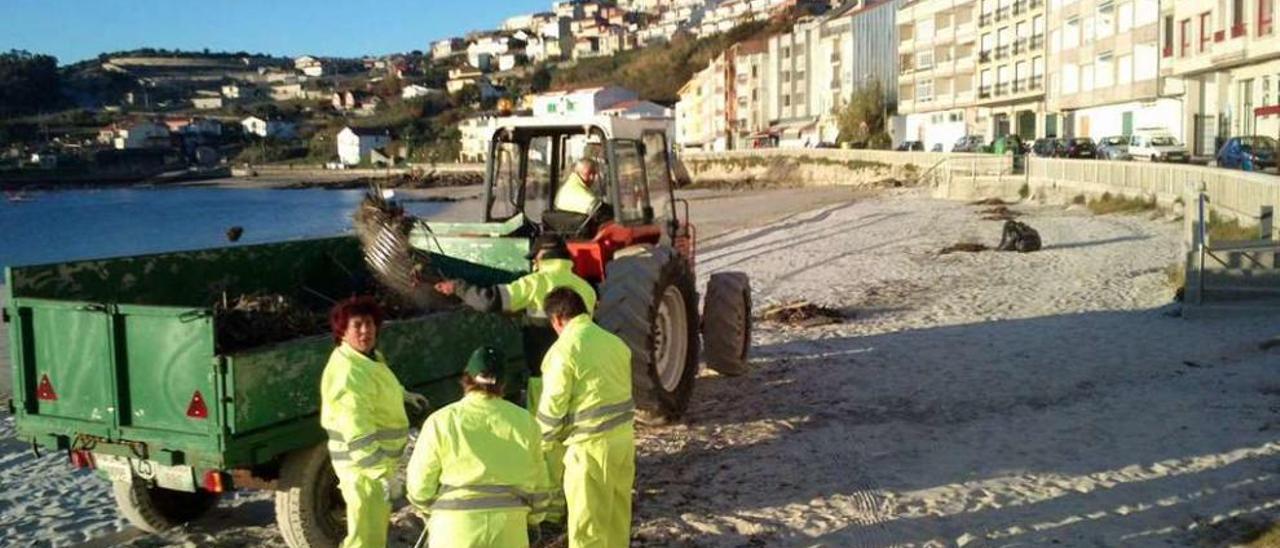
x=532, y=158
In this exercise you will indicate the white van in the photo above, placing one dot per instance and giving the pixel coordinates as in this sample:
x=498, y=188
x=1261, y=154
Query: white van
x=1157, y=145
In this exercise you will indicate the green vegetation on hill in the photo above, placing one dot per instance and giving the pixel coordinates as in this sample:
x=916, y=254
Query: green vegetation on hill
x=657, y=72
x=28, y=83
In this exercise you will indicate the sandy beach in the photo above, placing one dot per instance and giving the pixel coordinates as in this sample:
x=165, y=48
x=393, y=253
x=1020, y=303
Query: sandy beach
x=988, y=399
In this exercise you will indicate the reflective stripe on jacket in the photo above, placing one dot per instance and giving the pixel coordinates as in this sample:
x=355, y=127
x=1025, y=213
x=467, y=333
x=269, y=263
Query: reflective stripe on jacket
x=586, y=384
x=362, y=411
x=574, y=196
x=479, y=453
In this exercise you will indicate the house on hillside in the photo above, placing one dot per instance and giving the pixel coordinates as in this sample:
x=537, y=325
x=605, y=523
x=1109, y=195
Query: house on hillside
x=207, y=100
x=273, y=129
x=141, y=134
x=414, y=91
x=586, y=101
x=310, y=66
x=241, y=92
x=357, y=102
x=639, y=110
x=356, y=144
x=449, y=47
x=476, y=133
x=194, y=125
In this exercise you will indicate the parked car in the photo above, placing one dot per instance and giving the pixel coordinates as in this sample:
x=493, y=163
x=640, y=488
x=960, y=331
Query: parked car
x=1045, y=147
x=910, y=145
x=1079, y=148
x=937, y=147
x=970, y=143
x=1114, y=148
x=1157, y=145
x=1249, y=153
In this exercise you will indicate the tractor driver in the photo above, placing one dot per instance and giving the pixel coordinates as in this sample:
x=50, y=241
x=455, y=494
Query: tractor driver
x=575, y=195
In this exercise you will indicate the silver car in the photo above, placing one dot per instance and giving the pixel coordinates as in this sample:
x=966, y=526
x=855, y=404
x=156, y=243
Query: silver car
x=1113, y=148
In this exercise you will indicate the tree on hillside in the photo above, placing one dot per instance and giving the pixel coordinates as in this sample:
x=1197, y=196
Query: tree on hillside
x=861, y=121
x=28, y=83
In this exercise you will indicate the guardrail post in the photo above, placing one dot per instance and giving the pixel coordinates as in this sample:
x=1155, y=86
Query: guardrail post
x=1265, y=222
x=1201, y=240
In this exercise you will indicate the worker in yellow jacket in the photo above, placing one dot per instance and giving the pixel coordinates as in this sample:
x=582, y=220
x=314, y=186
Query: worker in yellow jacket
x=362, y=408
x=586, y=405
x=575, y=195
x=477, y=469
x=552, y=268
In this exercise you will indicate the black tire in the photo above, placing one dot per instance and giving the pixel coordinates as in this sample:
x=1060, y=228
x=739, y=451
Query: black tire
x=310, y=511
x=154, y=509
x=636, y=282
x=726, y=323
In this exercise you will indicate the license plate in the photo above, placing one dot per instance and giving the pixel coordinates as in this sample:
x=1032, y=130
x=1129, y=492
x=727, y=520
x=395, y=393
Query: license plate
x=177, y=478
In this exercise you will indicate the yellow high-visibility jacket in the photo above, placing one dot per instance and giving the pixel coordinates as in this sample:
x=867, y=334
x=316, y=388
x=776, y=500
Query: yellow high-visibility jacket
x=362, y=410
x=481, y=453
x=586, y=385
x=529, y=293
x=574, y=196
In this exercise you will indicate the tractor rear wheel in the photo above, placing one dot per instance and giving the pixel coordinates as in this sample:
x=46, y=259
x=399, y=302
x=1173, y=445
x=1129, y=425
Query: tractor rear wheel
x=649, y=299
x=154, y=509
x=310, y=511
x=726, y=323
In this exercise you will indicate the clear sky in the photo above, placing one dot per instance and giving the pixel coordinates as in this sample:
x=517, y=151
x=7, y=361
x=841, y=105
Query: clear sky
x=74, y=30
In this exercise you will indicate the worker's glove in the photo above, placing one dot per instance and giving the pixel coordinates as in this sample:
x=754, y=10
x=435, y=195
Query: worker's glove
x=416, y=406
x=535, y=535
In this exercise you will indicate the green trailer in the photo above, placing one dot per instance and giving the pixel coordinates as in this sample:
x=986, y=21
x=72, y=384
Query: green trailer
x=126, y=364
x=118, y=363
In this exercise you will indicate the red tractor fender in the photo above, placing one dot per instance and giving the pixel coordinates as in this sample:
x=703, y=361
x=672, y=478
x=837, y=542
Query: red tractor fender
x=591, y=256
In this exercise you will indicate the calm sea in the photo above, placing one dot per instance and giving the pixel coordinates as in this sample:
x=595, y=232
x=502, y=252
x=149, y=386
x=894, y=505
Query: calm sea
x=82, y=224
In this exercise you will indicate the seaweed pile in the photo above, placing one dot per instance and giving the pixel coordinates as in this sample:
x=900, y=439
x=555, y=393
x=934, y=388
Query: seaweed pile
x=257, y=319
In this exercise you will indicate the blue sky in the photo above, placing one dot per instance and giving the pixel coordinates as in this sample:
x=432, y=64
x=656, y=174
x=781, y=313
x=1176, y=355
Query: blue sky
x=74, y=30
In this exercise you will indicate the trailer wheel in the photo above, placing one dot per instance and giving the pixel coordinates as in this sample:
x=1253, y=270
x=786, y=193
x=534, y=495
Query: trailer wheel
x=154, y=509
x=726, y=323
x=649, y=299
x=310, y=511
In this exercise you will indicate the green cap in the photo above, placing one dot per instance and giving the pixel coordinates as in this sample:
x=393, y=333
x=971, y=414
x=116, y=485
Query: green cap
x=485, y=365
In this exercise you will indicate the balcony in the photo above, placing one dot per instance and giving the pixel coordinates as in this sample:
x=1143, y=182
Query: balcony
x=1032, y=5
x=984, y=57
x=985, y=19
x=1037, y=83
x=1037, y=42
x=1002, y=14
x=1238, y=30
x=1002, y=89
x=1002, y=51
x=1020, y=8
x=984, y=92
x=1019, y=46
x=1019, y=86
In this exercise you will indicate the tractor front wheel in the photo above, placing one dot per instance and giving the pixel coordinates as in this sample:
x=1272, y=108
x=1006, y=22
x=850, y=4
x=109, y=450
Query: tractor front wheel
x=649, y=300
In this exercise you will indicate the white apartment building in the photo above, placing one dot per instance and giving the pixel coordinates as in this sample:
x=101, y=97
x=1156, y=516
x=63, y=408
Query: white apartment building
x=700, y=113
x=1011, y=69
x=1105, y=69
x=1226, y=55
x=937, y=92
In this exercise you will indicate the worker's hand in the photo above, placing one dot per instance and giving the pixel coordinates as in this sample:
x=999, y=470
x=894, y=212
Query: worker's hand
x=419, y=403
x=446, y=287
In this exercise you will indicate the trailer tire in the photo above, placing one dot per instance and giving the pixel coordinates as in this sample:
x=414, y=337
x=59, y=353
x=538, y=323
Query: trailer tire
x=154, y=509
x=726, y=323
x=649, y=299
x=310, y=511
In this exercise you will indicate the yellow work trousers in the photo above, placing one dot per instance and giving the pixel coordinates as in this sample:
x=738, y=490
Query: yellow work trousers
x=478, y=529
x=368, y=511
x=598, y=475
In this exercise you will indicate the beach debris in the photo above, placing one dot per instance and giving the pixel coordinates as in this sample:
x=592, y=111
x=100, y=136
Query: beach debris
x=963, y=247
x=1273, y=342
x=1019, y=237
x=802, y=314
x=250, y=320
x=383, y=228
x=234, y=233
x=989, y=202
x=999, y=213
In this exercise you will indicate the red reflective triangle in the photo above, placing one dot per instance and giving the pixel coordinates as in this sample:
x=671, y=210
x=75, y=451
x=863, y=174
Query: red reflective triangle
x=196, y=409
x=45, y=391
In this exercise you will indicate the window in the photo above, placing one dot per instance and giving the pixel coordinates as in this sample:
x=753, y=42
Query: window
x=786, y=100
x=1086, y=78
x=924, y=91
x=1266, y=15
x=1237, y=18
x=1167, y=39
x=924, y=60
x=1071, y=33
x=1124, y=17
x=1186, y=38
x=1266, y=91
x=925, y=28
x=1103, y=75
x=1070, y=79
x=1145, y=63
x=1105, y=20
x=1206, y=33
x=1145, y=12
x=1124, y=69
